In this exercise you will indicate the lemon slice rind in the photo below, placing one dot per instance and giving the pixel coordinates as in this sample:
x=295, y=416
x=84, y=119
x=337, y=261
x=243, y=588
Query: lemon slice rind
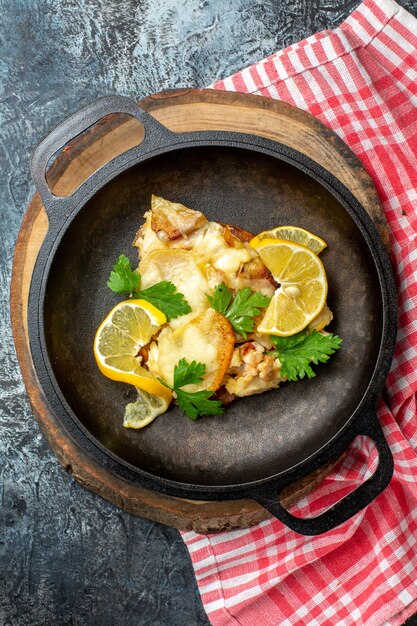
x=296, y=234
x=144, y=410
x=116, y=346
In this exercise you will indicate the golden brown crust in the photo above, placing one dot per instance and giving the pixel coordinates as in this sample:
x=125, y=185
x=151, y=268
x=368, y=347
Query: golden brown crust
x=244, y=235
x=172, y=220
x=228, y=237
x=255, y=269
x=207, y=338
x=221, y=334
x=163, y=228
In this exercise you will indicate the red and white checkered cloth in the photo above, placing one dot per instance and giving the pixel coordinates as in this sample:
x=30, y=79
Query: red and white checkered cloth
x=361, y=80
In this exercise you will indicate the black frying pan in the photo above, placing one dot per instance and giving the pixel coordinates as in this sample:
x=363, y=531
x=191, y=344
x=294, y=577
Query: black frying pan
x=262, y=443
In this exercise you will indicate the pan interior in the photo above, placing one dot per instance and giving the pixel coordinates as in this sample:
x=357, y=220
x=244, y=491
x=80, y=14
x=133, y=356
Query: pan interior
x=257, y=436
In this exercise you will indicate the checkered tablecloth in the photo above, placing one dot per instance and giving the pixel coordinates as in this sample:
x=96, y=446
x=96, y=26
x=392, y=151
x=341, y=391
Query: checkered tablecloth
x=360, y=80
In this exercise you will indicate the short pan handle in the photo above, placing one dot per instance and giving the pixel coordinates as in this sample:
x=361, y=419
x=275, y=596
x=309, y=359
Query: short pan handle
x=76, y=124
x=353, y=502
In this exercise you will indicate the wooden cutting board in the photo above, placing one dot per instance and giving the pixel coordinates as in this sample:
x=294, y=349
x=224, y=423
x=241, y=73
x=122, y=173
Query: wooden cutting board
x=184, y=110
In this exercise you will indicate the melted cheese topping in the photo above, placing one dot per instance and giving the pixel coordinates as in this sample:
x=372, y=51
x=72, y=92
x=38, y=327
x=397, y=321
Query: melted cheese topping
x=207, y=242
x=186, y=342
x=195, y=264
x=210, y=246
x=179, y=267
x=208, y=339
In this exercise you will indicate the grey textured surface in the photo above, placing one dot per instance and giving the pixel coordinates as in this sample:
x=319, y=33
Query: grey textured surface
x=66, y=556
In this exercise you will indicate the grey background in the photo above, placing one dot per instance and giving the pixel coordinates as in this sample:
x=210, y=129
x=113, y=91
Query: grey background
x=68, y=557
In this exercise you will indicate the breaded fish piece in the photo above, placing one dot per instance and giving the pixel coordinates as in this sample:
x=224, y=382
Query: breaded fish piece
x=180, y=245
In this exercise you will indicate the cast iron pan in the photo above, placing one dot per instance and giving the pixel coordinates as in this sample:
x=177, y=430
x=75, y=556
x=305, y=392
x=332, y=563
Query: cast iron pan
x=262, y=443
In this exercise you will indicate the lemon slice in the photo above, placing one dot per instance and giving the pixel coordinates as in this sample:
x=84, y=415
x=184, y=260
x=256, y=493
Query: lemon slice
x=303, y=286
x=144, y=410
x=296, y=234
x=129, y=326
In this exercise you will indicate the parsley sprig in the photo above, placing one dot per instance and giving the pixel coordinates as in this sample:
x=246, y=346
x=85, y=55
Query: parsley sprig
x=163, y=295
x=298, y=351
x=123, y=279
x=193, y=403
x=240, y=309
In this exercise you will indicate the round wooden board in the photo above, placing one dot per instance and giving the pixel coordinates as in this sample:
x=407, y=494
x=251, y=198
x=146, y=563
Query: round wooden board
x=184, y=110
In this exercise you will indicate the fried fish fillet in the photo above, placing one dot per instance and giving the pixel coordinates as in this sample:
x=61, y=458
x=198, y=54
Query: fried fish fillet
x=180, y=245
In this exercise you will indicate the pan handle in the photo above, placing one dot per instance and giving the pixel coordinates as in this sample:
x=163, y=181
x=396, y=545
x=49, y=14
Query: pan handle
x=74, y=125
x=353, y=502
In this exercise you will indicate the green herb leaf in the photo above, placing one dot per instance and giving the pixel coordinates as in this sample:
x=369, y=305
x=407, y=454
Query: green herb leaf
x=163, y=295
x=193, y=403
x=188, y=373
x=123, y=279
x=239, y=310
x=298, y=351
x=197, y=403
x=246, y=305
x=221, y=298
x=166, y=298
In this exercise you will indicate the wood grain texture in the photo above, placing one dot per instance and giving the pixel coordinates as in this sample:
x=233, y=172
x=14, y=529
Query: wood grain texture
x=187, y=110
x=66, y=555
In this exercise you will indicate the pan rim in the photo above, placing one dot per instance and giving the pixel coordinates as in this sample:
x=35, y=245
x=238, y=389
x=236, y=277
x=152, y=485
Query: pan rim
x=278, y=151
